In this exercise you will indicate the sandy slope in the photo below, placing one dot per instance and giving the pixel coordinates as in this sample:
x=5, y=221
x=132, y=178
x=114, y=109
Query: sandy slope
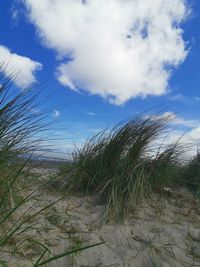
x=165, y=232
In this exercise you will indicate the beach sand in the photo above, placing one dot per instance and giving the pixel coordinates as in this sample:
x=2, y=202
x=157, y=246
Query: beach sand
x=162, y=232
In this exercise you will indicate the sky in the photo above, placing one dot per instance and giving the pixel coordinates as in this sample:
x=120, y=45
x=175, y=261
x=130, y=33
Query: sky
x=100, y=62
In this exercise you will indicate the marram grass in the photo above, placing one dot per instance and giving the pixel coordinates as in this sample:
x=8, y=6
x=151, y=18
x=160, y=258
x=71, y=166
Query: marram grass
x=20, y=136
x=118, y=167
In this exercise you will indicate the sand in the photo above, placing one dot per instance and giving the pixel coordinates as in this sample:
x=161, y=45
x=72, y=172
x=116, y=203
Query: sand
x=164, y=232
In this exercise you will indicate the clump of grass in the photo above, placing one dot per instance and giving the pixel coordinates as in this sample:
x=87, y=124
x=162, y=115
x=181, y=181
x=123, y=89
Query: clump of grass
x=165, y=170
x=20, y=136
x=116, y=167
x=18, y=130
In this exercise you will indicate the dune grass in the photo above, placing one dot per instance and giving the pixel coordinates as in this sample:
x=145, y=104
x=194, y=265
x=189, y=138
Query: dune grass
x=18, y=130
x=22, y=134
x=166, y=168
x=118, y=167
x=191, y=173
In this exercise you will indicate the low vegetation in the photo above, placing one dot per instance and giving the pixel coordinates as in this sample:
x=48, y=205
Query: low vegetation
x=192, y=173
x=21, y=136
x=124, y=166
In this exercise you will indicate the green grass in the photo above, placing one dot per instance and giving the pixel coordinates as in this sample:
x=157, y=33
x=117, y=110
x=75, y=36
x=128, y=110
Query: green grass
x=118, y=166
x=192, y=173
x=18, y=130
x=165, y=169
x=22, y=134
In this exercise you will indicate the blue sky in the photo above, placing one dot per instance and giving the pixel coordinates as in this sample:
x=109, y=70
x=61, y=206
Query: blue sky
x=96, y=70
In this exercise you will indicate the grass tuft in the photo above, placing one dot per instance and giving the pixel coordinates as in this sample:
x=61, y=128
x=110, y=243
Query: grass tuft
x=21, y=136
x=118, y=167
x=191, y=173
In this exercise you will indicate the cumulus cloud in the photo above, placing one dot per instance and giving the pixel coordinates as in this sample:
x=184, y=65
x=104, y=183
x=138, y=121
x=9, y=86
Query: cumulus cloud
x=22, y=69
x=118, y=49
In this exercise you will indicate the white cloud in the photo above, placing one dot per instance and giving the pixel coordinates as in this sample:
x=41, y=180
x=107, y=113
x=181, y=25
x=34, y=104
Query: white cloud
x=189, y=137
x=193, y=135
x=118, y=49
x=179, y=98
x=56, y=113
x=191, y=140
x=22, y=69
x=177, y=120
x=186, y=123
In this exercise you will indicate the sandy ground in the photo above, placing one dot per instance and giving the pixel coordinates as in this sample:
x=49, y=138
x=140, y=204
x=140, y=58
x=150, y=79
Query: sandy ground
x=165, y=232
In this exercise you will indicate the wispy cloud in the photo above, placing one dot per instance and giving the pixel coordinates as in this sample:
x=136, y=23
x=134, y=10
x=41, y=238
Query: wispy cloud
x=118, y=49
x=90, y=113
x=180, y=121
x=179, y=98
x=186, y=123
x=56, y=113
x=15, y=16
x=197, y=98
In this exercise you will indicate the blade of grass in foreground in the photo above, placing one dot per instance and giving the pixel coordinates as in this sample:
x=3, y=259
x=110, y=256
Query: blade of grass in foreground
x=20, y=136
x=66, y=253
